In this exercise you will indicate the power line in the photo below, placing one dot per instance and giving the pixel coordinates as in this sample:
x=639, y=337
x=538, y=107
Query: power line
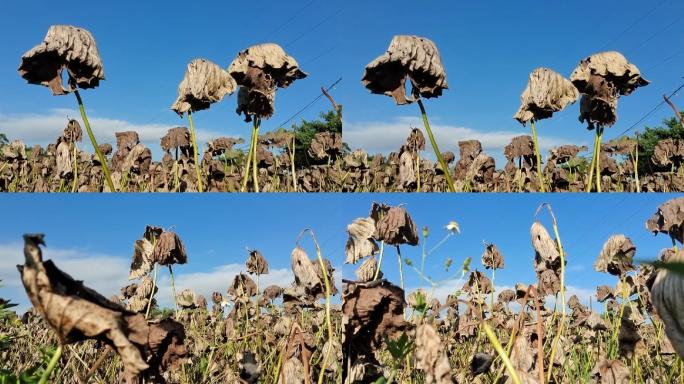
x=652, y=111
x=278, y=28
x=634, y=24
x=308, y=31
x=310, y=104
x=665, y=60
x=653, y=36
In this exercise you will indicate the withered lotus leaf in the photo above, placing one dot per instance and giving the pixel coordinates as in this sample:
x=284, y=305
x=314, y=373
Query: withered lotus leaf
x=669, y=219
x=478, y=283
x=305, y=271
x=407, y=56
x=272, y=292
x=325, y=145
x=430, y=356
x=546, y=92
x=612, y=66
x=169, y=249
x=166, y=342
x=64, y=46
x=608, y=371
x=178, y=137
x=76, y=312
x=506, y=296
x=492, y=257
x=666, y=296
x=73, y=132
x=543, y=245
x=415, y=142
x=393, y=225
x=142, y=262
x=603, y=293
x=242, y=286
x=370, y=311
x=360, y=242
x=186, y=299
x=256, y=263
x=616, y=256
x=602, y=78
x=366, y=271
x=204, y=83
x=668, y=152
x=259, y=71
x=270, y=59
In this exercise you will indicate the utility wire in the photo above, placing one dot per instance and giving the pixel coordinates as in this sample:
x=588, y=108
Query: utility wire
x=310, y=104
x=289, y=20
x=652, y=111
x=308, y=31
x=634, y=24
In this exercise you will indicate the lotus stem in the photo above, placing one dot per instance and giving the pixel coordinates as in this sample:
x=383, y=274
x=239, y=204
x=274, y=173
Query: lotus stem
x=195, y=152
x=328, y=305
x=382, y=252
x=502, y=354
x=418, y=172
x=401, y=268
x=51, y=365
x=74, y=186
x=173, y=287
x=599, y=135
x=540, y=174
x=636, y=165
x=100, y=156
x=249, y=163
x=255, y=169
x=445, y=168
x=154, y=285
x=561, y=327
x=292, y=162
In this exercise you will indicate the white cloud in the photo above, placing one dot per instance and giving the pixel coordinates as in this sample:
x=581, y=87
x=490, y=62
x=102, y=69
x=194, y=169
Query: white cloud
x=44, y=128
x=384, y=137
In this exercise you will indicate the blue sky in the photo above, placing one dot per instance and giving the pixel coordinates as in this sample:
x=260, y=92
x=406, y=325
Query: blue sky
x=488, y=49
x=92, y=237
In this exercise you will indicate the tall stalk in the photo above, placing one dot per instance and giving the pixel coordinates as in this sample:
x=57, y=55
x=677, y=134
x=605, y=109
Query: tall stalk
x=292, y=163
x=255, y=169
x=599, y=133
x=328, y=305
x=443, y=163
x=51, y=365
x=249, y=163
x=382, y=252
x=100, y=156
x=194, y=149
x=540, y=174
x=592, y=166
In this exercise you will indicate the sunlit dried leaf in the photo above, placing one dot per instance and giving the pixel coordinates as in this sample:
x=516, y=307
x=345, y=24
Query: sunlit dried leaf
x=204, y=83
x=393, y=225
x=256, y=263
x=546, y=92
x=669, y=219
x=407, y=56
x=616, y=256
x=64, y=46
x=430, y=356
x=360, y=242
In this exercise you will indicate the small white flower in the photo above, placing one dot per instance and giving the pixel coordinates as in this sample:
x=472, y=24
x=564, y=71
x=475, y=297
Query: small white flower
x=453, y=227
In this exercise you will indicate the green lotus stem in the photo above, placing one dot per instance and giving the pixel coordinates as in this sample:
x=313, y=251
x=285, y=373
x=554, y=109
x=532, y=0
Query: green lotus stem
x=51, y=365
x=173, y=287
x=292, y=162
x=377, y=269
x=502, y=354
x=74, y=186
x=561, y=328
x=255, y=169
x=100, y=156
x=154, y=285
x=636, y=165
x=401, y=268
x=592, y=166
x=418, y=172
x=249, y=163
x=194, y=150
x=599, y=135
x=540, y=174
x=445, y=168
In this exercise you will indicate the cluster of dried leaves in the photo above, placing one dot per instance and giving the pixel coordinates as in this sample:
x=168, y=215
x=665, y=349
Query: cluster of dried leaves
x=250, y=334
x=634, y=336
x=63, y=166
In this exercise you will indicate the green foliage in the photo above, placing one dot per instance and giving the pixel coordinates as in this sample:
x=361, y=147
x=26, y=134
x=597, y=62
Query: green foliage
x=33, y=374
x=3, y=139
x=671, y=129
x=304, y=132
